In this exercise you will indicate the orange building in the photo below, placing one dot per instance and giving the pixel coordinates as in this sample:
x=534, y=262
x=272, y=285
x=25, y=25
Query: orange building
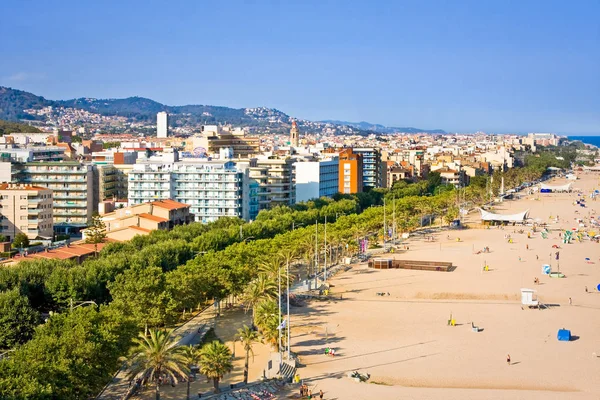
x=351, y=167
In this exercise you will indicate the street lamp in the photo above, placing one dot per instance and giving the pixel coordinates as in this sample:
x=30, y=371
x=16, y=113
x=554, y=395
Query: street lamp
x=81, y=304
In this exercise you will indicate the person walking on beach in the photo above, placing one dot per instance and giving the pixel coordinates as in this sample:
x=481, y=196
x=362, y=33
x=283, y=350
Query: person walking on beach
x=321, y=394
x=508, y=359
x=570, y=301
x=309, y=394
x=586, y=289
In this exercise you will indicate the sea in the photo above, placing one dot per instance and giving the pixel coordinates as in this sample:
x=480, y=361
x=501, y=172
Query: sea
x=593, y=140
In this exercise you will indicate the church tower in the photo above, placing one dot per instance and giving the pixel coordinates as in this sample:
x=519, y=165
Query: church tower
x=294, y=135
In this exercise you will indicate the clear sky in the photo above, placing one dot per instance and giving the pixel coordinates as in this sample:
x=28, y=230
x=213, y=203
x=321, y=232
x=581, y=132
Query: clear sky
x=493, y=65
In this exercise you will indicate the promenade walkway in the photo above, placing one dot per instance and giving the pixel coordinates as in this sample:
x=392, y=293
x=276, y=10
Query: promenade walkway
x=191, y=332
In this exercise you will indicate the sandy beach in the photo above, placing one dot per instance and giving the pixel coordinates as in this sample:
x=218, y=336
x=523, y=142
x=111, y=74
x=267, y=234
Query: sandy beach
x=404, y=342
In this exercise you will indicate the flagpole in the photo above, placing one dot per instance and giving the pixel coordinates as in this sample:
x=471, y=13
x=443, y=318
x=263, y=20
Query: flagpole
x=288, y=309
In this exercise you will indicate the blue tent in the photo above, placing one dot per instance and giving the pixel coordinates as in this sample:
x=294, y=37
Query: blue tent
x=564, y=335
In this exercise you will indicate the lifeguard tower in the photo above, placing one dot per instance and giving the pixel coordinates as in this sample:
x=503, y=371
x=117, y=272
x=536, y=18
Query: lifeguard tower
x=529, y=299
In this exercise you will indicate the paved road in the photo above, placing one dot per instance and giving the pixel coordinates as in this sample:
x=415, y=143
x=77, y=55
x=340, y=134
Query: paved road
x=191, y=333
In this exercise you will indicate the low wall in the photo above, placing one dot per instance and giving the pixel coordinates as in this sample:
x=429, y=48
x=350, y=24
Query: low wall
x=442, y=266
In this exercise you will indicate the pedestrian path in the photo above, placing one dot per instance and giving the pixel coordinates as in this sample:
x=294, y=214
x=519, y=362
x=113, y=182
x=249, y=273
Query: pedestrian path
x=190, y=333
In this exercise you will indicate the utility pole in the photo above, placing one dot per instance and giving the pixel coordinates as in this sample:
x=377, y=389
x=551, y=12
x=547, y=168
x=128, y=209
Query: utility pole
x=316, y=252
x=280, y=327
x=384, y=226
x=394, y=220
x=325, y=274
x=289, y=327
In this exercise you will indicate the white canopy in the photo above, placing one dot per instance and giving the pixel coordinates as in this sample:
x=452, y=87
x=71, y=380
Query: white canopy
x=563, y=188
x=488, y=216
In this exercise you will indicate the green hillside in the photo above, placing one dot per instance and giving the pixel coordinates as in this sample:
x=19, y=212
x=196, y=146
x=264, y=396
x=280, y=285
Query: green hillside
x=7, y=127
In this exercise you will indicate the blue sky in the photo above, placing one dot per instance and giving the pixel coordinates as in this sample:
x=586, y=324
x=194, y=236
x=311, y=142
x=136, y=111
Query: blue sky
x=493, y=65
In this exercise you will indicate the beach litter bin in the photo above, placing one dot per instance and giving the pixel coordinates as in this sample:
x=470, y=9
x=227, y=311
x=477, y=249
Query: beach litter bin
x=564, y=335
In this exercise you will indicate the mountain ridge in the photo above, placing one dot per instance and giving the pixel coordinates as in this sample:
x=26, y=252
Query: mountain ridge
x=14, y=102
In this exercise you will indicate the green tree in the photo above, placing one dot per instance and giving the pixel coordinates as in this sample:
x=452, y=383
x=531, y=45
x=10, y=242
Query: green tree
x=17, y=319
x=142, y=294
x=95, y=232
x=155, y=355
x=3, y=239
x=248, y=337
x=20, y=241
x=215, y=362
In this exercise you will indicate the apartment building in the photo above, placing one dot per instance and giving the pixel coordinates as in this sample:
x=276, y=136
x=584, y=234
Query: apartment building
x=25, y=209
x=213, y=189
x=350, y=172
x=276, y=181
x=213, y=139
x=106, y=176
x=315, y=179
x=75, y=194
x=371, y=167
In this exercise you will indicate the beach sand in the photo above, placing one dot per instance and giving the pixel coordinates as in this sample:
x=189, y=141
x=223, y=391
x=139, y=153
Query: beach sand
x=404, y=342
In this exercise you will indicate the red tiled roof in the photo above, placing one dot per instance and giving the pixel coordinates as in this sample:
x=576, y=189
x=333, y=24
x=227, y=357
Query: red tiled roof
x=170, y=204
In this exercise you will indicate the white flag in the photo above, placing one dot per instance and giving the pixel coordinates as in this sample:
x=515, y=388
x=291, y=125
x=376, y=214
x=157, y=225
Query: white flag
x=282, y=326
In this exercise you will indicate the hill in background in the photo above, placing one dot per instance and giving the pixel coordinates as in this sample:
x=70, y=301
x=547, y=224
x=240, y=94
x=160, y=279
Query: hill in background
x=13, y=104
x=7, y=127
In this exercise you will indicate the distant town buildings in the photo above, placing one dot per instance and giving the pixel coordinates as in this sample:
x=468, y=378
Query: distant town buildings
x=216, y=171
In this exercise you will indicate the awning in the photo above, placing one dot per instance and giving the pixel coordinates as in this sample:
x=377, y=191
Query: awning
x=488, y=216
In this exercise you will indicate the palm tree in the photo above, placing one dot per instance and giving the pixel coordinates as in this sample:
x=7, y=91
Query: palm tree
x=248, y=336
x=191, y=356
x=156, y=355
x=267, y=321
x=260, y=289
x=273, y=267
x=215, y=361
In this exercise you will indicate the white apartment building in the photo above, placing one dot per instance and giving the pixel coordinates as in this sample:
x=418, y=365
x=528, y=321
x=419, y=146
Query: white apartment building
x=25, y=209
x=315, y=179
x=162, y=125
x=213, y=189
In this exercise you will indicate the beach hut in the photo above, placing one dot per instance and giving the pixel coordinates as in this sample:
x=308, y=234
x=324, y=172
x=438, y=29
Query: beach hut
x=529, y=298
x=564, y=335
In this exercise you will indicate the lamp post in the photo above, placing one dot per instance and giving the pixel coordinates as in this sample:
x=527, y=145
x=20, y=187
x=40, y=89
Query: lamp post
x=288, y=308
x=81, y=304
x=279, y=314
x=325, y=262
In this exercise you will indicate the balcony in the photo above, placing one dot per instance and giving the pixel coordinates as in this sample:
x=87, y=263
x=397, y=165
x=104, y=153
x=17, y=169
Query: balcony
x=69, y=197
x=67, y=205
